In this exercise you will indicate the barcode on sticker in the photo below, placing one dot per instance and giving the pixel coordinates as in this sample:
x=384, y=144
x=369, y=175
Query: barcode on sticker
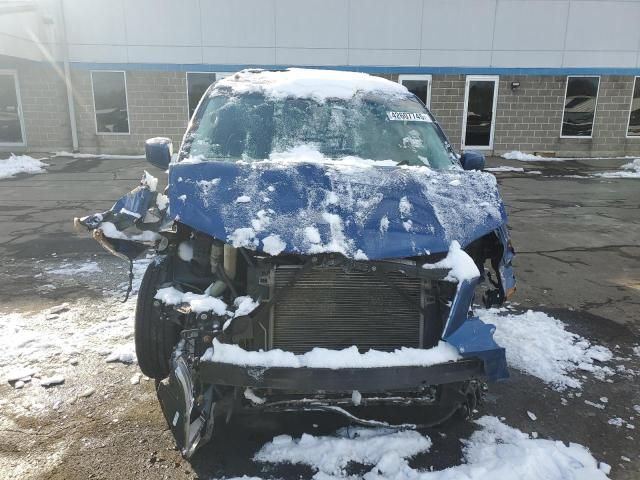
x=408, y=117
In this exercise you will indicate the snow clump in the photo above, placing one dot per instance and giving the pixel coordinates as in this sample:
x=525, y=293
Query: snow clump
x=539, y=345
x=16, y=164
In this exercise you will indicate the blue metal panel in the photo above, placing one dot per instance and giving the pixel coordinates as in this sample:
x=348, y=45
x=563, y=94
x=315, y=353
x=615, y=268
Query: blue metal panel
x=474, y=339
x=296, y=200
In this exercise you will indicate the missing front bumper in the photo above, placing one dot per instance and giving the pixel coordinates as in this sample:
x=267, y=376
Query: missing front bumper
x=340, y=380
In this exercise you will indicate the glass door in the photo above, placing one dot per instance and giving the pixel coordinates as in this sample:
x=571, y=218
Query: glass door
x=11, y=125
x=481, y=95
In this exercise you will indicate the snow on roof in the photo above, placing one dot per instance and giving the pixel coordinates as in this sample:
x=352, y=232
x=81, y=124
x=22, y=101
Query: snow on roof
x=309, y=83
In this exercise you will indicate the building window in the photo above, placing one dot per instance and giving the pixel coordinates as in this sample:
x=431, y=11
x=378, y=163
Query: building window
x=11, y=123
x=478, y=121
x=419, y=85
x=633, y=129
x=197, y=84
x=110, y=102
x=580, y=102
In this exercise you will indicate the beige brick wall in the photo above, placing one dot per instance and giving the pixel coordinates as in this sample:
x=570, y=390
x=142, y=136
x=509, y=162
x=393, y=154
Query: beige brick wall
x=157, y=107
x=527, y=119
x=44, y=105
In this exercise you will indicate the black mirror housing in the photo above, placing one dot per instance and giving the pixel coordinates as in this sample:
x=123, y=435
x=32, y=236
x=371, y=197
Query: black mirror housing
x=158, y=151
x=472, y=160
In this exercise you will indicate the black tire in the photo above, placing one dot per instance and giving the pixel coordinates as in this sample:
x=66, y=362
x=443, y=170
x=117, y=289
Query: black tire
x=154, y=337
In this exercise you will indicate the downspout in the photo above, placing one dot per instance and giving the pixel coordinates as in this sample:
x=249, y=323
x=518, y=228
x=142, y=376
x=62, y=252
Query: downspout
x=67, y=78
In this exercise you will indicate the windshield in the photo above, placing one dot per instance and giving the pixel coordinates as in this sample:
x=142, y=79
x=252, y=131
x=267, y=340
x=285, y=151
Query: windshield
x=252, y=127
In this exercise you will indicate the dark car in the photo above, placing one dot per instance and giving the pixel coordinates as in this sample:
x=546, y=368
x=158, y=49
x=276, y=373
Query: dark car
x=321, y=249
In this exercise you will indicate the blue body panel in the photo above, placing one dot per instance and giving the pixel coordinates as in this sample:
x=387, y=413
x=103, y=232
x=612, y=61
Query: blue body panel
x=381, y=212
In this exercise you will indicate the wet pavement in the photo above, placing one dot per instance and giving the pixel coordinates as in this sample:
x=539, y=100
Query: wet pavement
x=578, y=258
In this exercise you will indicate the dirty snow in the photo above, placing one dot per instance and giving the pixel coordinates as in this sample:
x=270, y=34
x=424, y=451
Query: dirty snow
x=308, y=83
x=539, y=345
x=524, y=157
x=123, y=354
x=461, y=266
x=106, y=156
x=504, y=168
x=67, y=268
x=496, y=451
x=334, y=359
x=16, y=164
x=628, y=170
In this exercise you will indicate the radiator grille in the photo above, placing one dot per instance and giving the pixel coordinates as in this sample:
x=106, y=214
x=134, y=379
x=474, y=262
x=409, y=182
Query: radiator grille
x=330, y=308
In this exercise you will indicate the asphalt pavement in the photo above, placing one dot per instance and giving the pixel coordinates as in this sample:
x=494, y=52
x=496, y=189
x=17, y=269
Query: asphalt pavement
x=576, y=238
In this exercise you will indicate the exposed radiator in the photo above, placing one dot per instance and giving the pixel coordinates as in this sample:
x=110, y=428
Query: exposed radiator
x=330, y=308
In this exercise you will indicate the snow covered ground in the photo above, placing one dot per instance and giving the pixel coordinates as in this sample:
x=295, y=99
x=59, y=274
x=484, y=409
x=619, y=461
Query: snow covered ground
x=42, y=352
x=540, y=345
x=628, y=170
x=17, y=164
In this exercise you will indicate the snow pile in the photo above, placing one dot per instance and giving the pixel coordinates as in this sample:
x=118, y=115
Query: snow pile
x=244, y=306
x=123, y=354
x=523, y=157
x=334, y=359
x=504, y=168
x=198, y=302
x=496, y=452
x=461, y=266
x=385, y=448
x=16, y=164
x=307, y=83
x=629, y=170
x=106, y=156
x=539, y=345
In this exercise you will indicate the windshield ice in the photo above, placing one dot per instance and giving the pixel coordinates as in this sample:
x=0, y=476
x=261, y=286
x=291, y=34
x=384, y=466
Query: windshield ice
x=252, y=126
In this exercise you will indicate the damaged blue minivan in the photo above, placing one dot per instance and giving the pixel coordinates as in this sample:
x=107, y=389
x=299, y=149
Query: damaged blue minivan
x=320, y=246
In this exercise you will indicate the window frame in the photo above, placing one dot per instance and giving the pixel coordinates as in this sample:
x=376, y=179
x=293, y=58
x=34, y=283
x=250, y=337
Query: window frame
x=23, y=131
x=186, y=82
x=633, y=89
x=595, y=107
x=415, y=76
x=126, y=99
x=219, y=76
x=494, y=111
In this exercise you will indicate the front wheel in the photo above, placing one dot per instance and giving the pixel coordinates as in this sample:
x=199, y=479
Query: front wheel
x=154, y=337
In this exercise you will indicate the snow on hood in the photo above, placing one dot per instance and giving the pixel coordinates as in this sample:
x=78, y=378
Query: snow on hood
x=353, y=208
x=308, y=83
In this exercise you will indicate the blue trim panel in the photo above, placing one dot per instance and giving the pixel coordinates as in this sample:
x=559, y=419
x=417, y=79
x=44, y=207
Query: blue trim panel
x=197, y=67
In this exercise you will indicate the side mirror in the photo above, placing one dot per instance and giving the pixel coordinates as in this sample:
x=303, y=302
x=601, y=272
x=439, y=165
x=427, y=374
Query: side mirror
x=472, y=160
x=158, y=151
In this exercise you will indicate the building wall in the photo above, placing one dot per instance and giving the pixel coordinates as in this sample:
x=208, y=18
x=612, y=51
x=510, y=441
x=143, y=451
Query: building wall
x=44, y=105
x=432, y=33
x=157, y=104
x=527, y=118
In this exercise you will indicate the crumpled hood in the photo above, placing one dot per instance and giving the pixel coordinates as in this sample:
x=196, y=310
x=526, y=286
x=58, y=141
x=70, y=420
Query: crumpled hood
x=359, y=211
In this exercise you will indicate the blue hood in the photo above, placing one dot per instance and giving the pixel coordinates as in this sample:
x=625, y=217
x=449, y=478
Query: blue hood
x=363, y=212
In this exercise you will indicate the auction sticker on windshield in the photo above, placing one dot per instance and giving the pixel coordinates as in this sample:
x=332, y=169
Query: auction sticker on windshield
x=409, y=116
